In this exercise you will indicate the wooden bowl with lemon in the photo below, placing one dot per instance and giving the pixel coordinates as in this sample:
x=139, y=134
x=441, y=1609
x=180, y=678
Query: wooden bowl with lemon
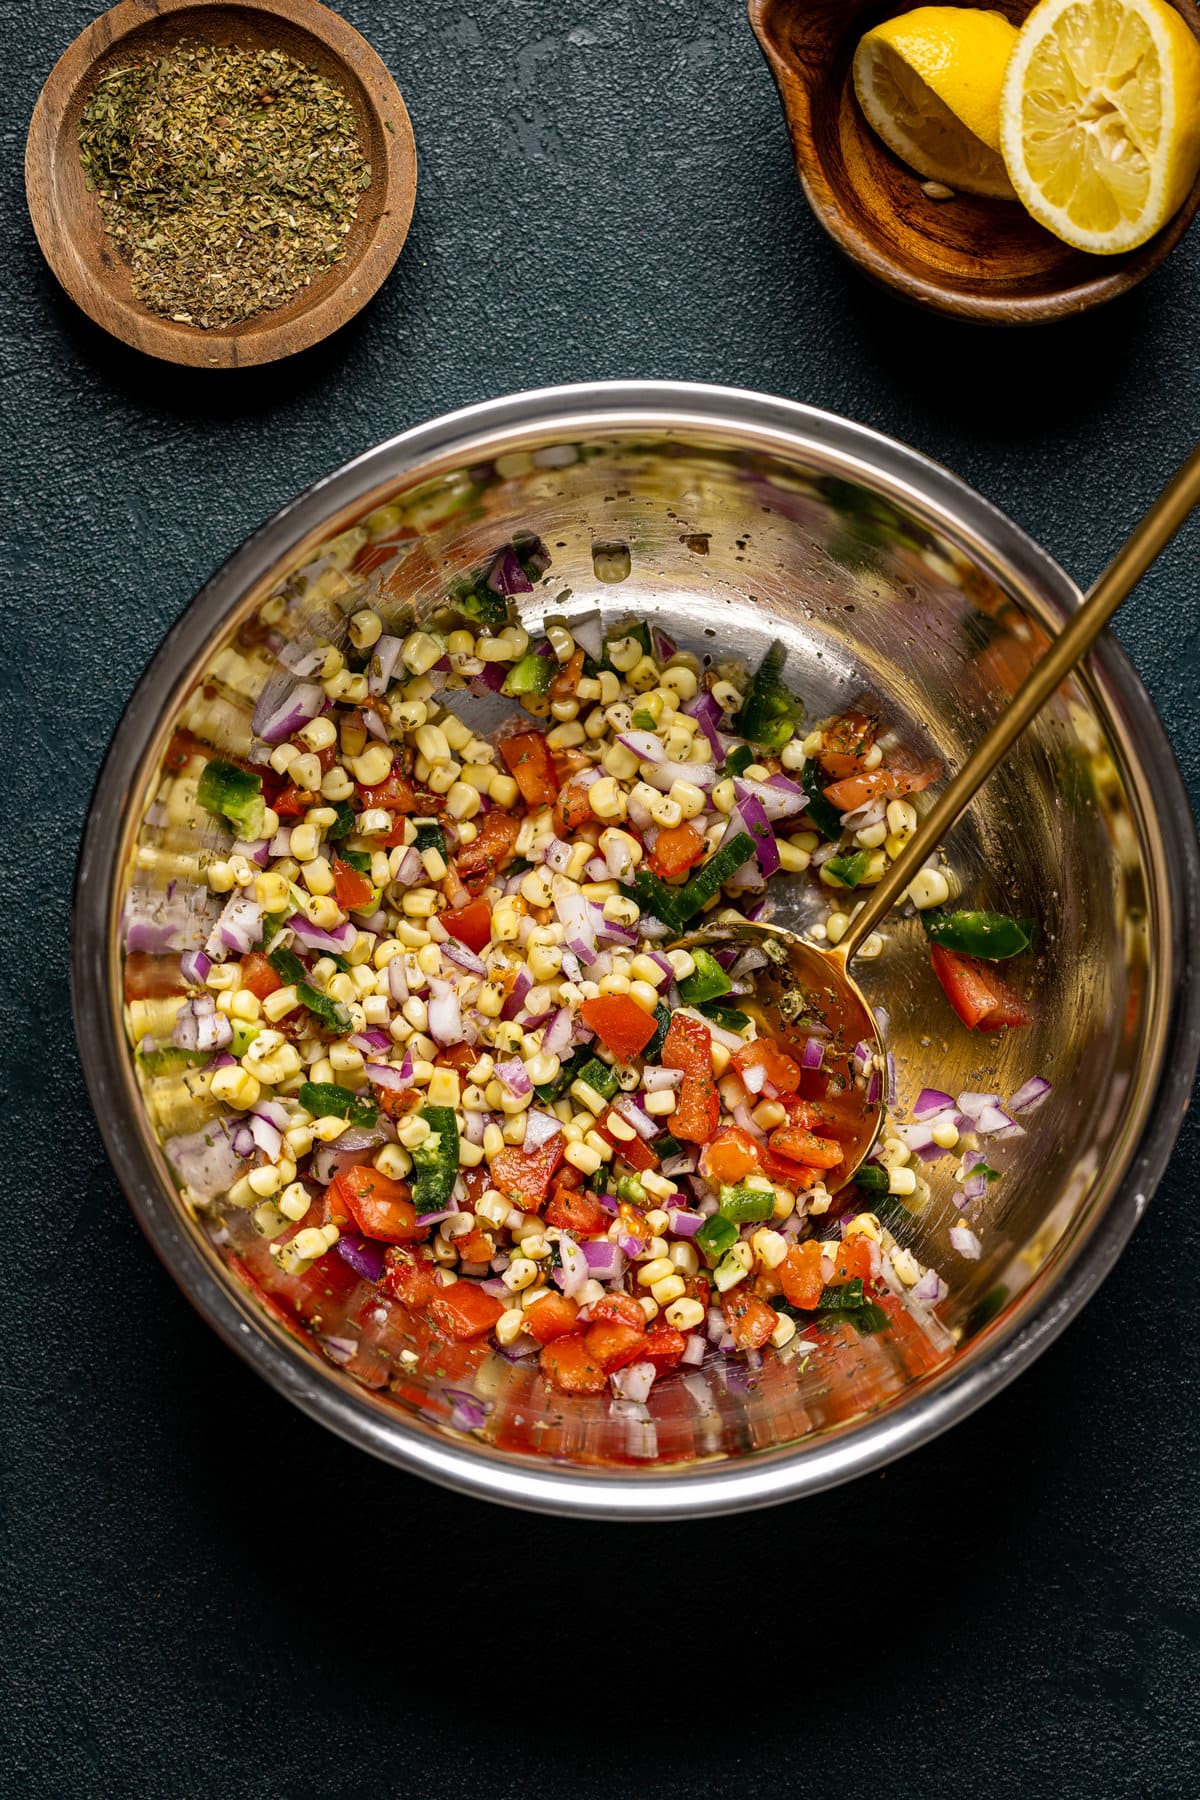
x=1012, y=164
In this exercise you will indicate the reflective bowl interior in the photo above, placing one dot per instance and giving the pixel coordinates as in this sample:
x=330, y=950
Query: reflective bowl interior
x=886, y=581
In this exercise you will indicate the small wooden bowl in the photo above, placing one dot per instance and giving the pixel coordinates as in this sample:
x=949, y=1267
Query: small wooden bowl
x=67, y=218
x=976, y=259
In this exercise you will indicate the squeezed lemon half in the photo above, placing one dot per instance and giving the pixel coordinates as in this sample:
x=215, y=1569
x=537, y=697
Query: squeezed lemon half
x=930, y=85
x=1100, y=119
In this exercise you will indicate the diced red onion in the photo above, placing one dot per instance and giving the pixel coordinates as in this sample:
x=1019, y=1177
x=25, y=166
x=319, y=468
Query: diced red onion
x=267, y=1137
x=974, y=1104
x=301, y=703
x=654, y=1079
x=195, y=966
x=275, y=1112
x=930, y=1289
x=993, y=1121
x=634, y=1381
x=463, y=957
x=730, y=1040
x=664, y=775
x=741, y=1115
x=435, y=1218
x=522, y=983
x=410, y=868
x=682, y=1163
x=368, y=1041
x=965, y=1242
x=918, y=1136
x=813, y=1054
x=540, y=1127
x=313, y=937
x=596, y=869
x=974, y=1188
x=644, y=745
x=754, y=1078
x=662, y=647
x=629, y=1110
x=889, y=1097
x=707, y=714
x=255, y=850
x=199, y=1026
x=364, y=1255
x=398, y=980
x=574, y=915
x=506, y=576
x=243, y=1140
x=384, y=657
x=778, y=799
x=684, y=1224
x=515, y=1077
x=386, y=1075
x=605, y=1260
x=445, y=1013
x=1027, y=1096
x=557, y=855
x=281, y=843
x=556, y=1038
x=575, y=1269
x=874, y=1088
x=693, y=1350
x=754, y=816
x=930, y=1101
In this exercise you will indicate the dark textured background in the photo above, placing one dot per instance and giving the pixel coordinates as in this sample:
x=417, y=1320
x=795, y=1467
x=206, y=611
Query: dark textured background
x=205, y=1595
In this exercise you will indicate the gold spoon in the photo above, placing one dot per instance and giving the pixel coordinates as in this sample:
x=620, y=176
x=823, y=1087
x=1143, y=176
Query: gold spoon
x=803, y=981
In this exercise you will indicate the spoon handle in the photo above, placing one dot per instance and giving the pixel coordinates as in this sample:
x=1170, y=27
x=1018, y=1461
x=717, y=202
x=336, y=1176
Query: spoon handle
x=1148, y=538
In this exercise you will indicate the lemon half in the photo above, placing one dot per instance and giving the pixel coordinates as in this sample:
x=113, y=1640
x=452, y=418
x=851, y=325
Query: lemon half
x=929, y=82
x=1100, y=119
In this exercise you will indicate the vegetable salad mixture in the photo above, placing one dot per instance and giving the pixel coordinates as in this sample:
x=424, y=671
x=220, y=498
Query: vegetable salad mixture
x=457, y=1070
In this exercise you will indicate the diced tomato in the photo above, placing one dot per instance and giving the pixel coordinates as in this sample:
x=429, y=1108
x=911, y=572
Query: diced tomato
x=698, y=1109
x=476, y=1247
x=408, y=1276
x=618, y=1309
x=149, y=977
x=635, y=1150
x=853, y=1261
x=806, y=1147
x=800, y=1275
x=258, y=976
x=572, y=808
x=578, y=1212
x=570, y=1366
x=489, y=852
x=731, y=1155
x=464, y=1310
x=613, y=1345
x=398, y=1103
x=620, y=1024
x=551, y=1318
x=782, y=1169
x=981, y=998
x=845, y=744
x=780, y=1069
x=291, y=801
x=525, y=1176
x=750, y=1320
x=351, y=889
x=676, y=850
x=663, y=1346
x=566, y=683
x=531, y=766
x=904, y=774
x=379, y=1206
x=471, y=925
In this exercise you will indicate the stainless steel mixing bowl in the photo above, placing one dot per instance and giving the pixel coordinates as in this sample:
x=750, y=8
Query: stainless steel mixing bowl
x=732, y=518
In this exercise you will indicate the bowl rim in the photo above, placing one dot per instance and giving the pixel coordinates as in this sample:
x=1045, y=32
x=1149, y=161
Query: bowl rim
x=455, y=440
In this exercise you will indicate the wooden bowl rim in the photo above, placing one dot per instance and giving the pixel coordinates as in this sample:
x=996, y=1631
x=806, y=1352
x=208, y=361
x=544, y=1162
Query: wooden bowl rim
x=1010, y=308
x=250, y=342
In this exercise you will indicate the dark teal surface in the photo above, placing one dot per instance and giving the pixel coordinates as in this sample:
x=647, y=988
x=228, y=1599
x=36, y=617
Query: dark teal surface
x=203, y=1594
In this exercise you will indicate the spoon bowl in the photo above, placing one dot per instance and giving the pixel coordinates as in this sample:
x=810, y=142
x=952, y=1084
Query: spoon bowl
x=807, y=998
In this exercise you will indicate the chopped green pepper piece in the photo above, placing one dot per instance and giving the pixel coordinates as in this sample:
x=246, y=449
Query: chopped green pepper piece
x=769, y=714
x=730, y=1018
x=824, y=815
x=738, y=760
x=665, y=1146
x=654, y=896
x=662, y=1023
x=569, y=1071
x=706, y=982
x=676, y=905
x=344, y=824
x=232, y=794
x=843, y=1298
x=325, y=1099
x=532, y=675
x=630, y=1189
x=170, y=1060
x=272, y=926
x=435, y=1162
x=243, y=1036
x=291, y=970
x=645, y=721
x=744, y=1205
x=849, y=869
x=430, y=837
x=599, y=1078
x=361, y=859
x=992, y=935
x=873, y=1177
x=476, y=601
x=717, y=1235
